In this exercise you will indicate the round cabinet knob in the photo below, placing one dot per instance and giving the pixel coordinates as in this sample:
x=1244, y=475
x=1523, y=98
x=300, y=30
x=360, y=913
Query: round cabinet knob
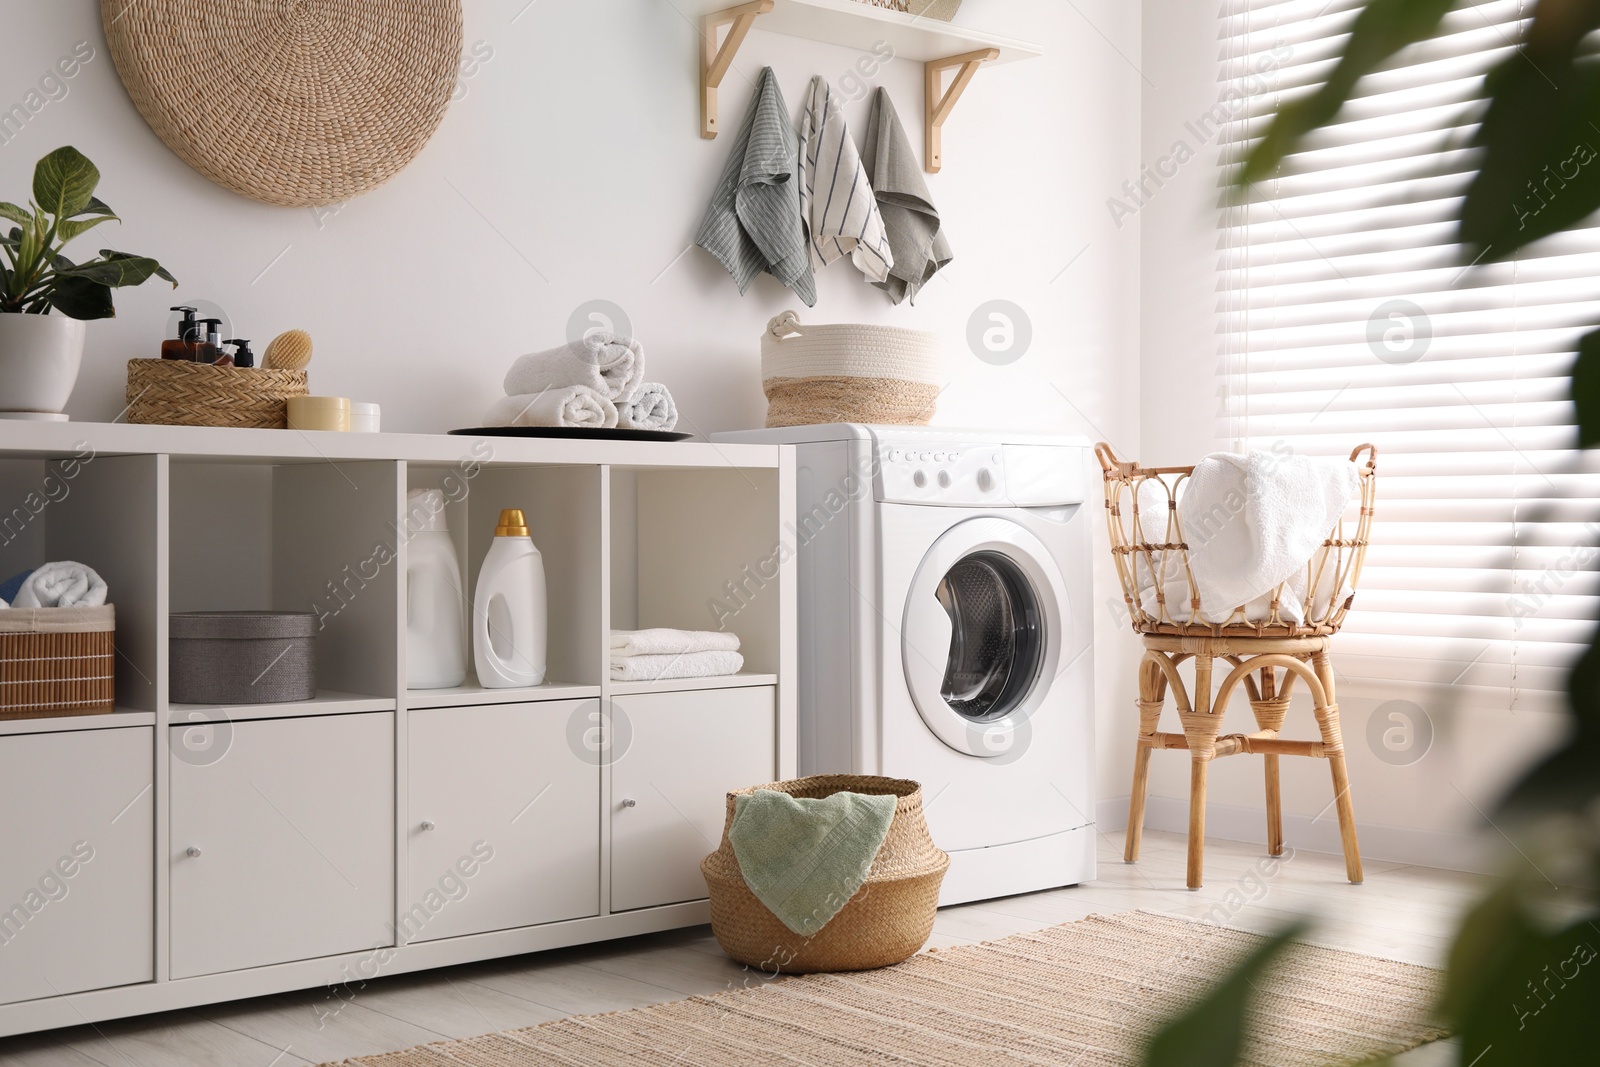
x=629, y=802
x=193, y=852
x=944, y=479
x=986, y=479
x=919, y=480
x=427, y=824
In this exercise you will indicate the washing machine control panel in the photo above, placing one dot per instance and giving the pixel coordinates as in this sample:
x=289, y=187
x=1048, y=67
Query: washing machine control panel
x=977, y=474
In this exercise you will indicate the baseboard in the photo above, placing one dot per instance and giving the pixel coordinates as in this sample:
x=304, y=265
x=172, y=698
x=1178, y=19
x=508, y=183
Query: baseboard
x=1393, y=844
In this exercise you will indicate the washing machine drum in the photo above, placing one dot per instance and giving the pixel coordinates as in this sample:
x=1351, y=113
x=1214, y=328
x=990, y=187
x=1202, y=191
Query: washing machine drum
x=983, y=632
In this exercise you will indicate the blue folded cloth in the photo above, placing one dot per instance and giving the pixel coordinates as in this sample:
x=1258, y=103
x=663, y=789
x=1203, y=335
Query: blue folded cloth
x=13, y=585
x=803, y=858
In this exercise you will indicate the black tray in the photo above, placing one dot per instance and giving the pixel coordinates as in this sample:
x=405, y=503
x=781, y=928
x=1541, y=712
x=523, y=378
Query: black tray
x=615, y=434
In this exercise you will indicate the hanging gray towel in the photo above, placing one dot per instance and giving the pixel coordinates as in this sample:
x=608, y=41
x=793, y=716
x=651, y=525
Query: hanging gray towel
x=915, y=237
x=753, y=223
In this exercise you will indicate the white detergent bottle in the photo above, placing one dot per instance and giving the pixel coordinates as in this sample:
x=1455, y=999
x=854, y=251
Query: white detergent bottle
x=436, y=640
x=509, y=612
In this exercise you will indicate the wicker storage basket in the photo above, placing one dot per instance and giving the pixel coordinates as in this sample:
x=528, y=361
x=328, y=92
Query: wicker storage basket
x=848, y=373
x=174, y=392
x=57, y=661
x=888, y=919
x=943, y=10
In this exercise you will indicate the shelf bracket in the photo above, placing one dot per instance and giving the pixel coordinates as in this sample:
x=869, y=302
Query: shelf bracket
x=715, y=60
x=939, y=101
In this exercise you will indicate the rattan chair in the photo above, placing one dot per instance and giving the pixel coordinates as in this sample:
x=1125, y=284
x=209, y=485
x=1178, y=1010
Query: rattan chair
x=1151, y=557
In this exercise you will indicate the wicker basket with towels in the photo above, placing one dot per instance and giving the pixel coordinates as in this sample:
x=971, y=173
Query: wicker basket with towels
x=887, y=920
x=848, y=373
x=57, y=661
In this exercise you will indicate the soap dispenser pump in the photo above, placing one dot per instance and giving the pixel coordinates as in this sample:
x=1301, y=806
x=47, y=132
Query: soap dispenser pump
x=186, y=345
x=211, y=350
x=242, y=356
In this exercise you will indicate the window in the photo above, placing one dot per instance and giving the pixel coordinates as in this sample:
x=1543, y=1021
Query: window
x=1347, y=316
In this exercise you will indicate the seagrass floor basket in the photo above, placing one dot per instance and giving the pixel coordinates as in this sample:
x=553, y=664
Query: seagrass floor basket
x=887, y=920
x=57, y=661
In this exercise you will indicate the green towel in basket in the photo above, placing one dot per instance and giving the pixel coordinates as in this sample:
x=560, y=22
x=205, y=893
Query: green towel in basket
x=803, y=858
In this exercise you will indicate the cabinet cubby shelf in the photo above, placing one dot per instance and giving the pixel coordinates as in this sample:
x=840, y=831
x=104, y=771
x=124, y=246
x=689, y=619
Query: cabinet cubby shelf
x=471, y=694
x=326, y=702
x=121, y=718
x=690, y=685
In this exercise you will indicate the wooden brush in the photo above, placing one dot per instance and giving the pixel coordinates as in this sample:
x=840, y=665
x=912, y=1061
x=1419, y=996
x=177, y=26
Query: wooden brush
x=290, y=350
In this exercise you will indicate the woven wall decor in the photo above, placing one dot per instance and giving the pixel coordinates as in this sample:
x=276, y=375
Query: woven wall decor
x=294, y=102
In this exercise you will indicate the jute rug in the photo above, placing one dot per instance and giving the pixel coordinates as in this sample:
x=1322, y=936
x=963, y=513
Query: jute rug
x=1085, y=994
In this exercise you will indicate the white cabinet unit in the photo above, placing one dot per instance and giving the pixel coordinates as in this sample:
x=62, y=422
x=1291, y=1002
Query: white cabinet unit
x=669, y=787
x=247, y=850
x=504, y=819
x=76, y=880
x=283, y=849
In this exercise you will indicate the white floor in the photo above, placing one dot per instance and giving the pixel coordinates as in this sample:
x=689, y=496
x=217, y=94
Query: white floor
x=1402, y=912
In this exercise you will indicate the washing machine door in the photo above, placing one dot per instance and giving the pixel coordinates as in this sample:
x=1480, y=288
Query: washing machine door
x=984, y=626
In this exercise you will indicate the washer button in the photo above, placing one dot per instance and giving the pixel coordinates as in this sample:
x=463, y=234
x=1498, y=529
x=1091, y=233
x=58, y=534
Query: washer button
x=985, y=480
x=938, y=457
x=919, y=480
x=944, y=479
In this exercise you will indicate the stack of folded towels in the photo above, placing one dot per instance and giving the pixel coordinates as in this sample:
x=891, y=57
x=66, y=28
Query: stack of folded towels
x=54, y=585
x=596, y=382
x=655, y=655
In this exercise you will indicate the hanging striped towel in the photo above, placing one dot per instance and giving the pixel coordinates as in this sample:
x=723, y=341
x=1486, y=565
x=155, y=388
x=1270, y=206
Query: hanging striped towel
x=753, y=222
x=836, y=202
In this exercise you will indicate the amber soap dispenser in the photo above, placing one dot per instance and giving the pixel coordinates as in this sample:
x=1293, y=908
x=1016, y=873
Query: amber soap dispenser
x=186, y=345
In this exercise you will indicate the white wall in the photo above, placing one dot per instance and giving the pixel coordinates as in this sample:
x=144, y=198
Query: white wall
x=573, y=170
x=1427, y=811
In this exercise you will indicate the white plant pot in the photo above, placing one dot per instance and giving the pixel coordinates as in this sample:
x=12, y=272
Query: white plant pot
x=39, y=358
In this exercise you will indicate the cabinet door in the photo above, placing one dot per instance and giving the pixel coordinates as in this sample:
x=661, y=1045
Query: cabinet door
x=668, y=788
x=77, y=862
x=283, y=849
x=505, y=818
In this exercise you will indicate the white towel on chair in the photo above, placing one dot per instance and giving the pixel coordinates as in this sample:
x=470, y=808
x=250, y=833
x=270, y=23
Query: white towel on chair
x=685, y=665
x=650, y=409
x=1255, y=521
x=575, y=405
x=62, y=585
x=837, y=206
x=661, y=641
x=605, y=361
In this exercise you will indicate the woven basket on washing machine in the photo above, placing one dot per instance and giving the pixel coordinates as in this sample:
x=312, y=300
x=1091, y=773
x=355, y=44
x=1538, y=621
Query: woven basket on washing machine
x=884, y=375
x=887, y=920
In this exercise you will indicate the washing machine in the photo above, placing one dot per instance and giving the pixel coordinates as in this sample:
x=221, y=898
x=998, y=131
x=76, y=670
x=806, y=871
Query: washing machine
x=946, y=634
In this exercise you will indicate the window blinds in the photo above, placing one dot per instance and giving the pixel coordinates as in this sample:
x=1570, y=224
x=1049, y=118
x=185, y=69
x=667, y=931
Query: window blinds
x=1347, y=315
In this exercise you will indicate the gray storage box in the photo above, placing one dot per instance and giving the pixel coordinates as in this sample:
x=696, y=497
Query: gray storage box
x=242, y=657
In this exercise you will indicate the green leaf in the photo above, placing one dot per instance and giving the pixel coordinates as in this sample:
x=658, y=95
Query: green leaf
x=1526, y=992
x=16, y=214
x=118, y=269
x=1382, y=29
x=64, y=182
x=1210, y=1033
x=1586, y=389
x=79, y=298
x=67, y=229
x=97, y=207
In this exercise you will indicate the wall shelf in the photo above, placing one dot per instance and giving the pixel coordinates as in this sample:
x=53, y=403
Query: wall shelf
x=470, y=694
x=939, y=46
x=685, y=685
x=326, y=702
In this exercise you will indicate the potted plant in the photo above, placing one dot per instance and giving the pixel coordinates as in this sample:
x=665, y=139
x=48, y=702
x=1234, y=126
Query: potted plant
x=40, y=352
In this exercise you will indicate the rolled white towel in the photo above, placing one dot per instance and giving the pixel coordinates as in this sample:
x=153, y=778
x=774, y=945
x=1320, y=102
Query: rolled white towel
x=575, y=405
x=650, y=409
x=62, y=585
x=608, y=363
x=686, y=665
x=664, y=642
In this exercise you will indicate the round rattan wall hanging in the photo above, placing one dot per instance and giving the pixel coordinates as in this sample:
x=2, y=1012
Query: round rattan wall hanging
x=294, y=102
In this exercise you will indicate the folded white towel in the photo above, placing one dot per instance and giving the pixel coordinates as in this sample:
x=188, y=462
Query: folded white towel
x=836, y=203
x=62, y=585
x=714, y=664
x=574, y=405
x=1254, y=521
x=608, y=363
x=664, y=642
x=650, y=409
